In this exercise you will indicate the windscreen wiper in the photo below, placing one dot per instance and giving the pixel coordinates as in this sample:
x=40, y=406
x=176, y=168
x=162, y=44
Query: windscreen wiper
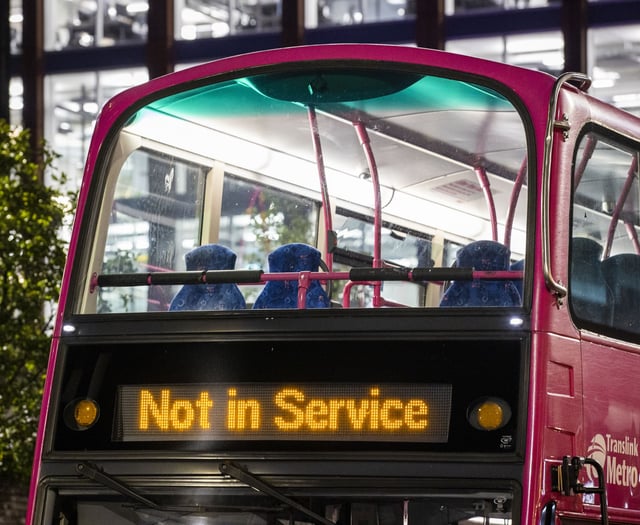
x=231, y=469
x=92, y=472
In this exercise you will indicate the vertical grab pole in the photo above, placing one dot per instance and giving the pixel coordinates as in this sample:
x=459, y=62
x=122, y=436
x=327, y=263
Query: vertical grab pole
x=481, y=173
x=628, y=183
x=486, y=189
x=589, y=148
x=633, y=236
x=322, y=177
x=363, y=136
x=515, y=194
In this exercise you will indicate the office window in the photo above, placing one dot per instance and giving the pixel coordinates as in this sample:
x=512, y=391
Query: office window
x=83, y=24
x=320, y=13
x=615, y=71
x=543, y=51
x=347, y=12
x=459, y=6
x=206, y=19
x=15, y=101
x=15, y=26
x=72, y=103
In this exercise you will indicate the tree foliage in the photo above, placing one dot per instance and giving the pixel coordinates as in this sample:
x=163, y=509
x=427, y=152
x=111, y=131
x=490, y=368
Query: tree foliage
x=32, y=257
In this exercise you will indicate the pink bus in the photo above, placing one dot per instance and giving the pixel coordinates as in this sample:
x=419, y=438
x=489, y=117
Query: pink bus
x=349, y=285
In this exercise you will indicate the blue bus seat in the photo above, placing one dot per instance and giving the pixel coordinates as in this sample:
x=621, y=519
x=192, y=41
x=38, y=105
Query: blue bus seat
x=213, y=296
x=622, y=273
x=294, y=257
x=589, y=295
x=482, y=255
x=519, y=267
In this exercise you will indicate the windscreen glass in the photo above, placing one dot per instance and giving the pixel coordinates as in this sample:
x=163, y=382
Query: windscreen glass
x=238, y=507
x=318, y=168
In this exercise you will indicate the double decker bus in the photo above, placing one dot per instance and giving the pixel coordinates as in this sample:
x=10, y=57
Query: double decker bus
x=349, y=285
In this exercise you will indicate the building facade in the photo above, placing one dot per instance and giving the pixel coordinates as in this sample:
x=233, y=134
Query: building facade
x=69, y=56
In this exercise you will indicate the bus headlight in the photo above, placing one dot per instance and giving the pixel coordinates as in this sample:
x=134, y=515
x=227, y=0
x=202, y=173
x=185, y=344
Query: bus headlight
x=489, y=413
x=81, y=414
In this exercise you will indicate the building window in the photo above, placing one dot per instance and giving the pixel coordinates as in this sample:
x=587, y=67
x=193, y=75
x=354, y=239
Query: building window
x=82, y=24
x=72, y=103
x=614, y=68
x=205, y=19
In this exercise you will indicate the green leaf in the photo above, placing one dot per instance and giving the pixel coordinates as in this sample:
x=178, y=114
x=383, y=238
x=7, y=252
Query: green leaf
x=32, y=258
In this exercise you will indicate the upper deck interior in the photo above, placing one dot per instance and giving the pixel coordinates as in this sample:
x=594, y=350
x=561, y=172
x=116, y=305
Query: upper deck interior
x=391, y=168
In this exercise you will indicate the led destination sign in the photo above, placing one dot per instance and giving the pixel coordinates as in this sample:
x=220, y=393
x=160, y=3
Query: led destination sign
x=269, y=411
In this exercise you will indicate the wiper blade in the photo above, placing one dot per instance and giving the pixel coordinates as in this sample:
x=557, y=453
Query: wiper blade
x=230, y=469
x=92, y=472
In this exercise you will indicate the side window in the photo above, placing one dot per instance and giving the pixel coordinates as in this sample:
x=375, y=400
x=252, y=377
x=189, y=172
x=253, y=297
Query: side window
x=256, y=219
x=155, y=217
x=399, y=248
x=604, y=275
x=163, y=208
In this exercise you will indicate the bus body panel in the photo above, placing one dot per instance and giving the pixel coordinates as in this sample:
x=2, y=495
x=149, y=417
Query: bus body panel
x=611, y=420
x=608, y=402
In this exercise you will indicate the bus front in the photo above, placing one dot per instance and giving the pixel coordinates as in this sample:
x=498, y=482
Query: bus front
x=297, y=293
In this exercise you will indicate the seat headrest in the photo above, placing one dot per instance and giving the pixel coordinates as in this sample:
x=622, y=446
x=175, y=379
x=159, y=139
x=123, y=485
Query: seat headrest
x=210, y=257
x=294, y=257
x=484, y=255
x=585, y=249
